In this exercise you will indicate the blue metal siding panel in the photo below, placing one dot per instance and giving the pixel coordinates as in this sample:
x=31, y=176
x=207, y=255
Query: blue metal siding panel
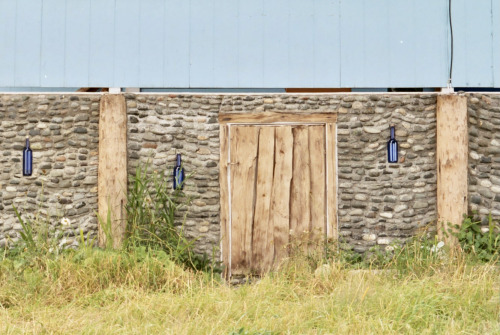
x=201, y=43
x=102, y=25
x=126, y=65
x=275, y=44
x=460, y=68
x=495, y=18
x=327, y=43
x=77, y=55
x=401, y=44
x=7, y=42
x=225, y=55
x=377, y=45
x=473, y=63
x=28, y=42
x=227, y=43
x=176, y=40
x=151, y=50
x=352, y=47
x=382, y=43
x=53, y=43
x=301, y=49
x=251, y=44
x=431, y=52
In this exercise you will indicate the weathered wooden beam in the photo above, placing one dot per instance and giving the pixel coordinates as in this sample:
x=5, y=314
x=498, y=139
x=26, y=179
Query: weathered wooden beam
x=451, y=155
x=272, y=117
x=224, y=200
x=112, y=171
x=331, y=182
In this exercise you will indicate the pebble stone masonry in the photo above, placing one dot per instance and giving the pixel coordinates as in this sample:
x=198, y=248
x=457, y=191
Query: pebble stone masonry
x=378, y=202
x=63, y=130
x=484, y=154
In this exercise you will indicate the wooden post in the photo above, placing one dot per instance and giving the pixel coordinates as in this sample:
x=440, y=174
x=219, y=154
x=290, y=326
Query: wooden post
x=112, y=172
x=452, y=152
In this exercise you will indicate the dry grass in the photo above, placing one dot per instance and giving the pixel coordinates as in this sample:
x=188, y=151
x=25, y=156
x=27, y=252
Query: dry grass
x=112, y=293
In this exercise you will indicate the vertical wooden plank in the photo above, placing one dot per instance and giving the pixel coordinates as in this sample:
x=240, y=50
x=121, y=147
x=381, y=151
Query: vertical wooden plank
x=280, y=195
x=300, y=201
x=77, y=42
x=176, y=43
x=102, y=34
x=7, y=42
x=451, y=154
x=263, y=231
x=28, y=42
x=318, y=183
x=224, y=198
x=243, y=155
x=150, y=45
x=331, y=192
x=112, y=170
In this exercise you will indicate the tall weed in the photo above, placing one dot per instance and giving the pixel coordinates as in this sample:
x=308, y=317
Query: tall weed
x=153, y=210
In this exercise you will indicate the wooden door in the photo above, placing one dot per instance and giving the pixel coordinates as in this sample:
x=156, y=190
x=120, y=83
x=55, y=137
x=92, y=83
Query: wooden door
x=277, y=187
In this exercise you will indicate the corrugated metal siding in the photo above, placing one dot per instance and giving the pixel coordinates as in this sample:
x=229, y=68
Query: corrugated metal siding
x=237, y=43
x=474, y=47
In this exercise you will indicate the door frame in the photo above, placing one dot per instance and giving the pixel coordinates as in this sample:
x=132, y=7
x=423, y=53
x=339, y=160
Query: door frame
x=328, y=119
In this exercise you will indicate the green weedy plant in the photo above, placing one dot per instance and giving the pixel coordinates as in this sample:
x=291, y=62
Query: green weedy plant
x=484, y=245
x=38, y=236
x=152, y=212
x=418, y=255
x=106, y=227
x=27, y=232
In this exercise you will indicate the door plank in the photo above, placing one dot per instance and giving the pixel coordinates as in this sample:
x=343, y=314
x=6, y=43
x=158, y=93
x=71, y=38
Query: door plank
x=332, y=227
x=318, y=183
x=243, y=153
x=300, y=218
x=280, y=195
x=224, y=198
x=262, y=237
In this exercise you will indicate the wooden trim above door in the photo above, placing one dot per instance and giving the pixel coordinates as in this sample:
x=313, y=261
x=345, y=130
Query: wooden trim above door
x=276, y=117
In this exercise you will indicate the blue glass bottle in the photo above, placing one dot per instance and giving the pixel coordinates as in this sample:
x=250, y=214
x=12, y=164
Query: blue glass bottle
x=178, y=174
x=27, y=159
x=392, y=147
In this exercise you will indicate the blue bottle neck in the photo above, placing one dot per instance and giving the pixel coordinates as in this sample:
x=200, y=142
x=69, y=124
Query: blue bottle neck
x=178, y=160
x=392, y=133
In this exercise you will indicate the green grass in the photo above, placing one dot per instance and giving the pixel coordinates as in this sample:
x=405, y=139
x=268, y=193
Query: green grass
x=92, y=291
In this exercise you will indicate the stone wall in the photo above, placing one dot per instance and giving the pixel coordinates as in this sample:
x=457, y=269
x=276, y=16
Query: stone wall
x=159, y=126
x=63, y=130
x=484, y=154
x=378, y=202
x=381, y=202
